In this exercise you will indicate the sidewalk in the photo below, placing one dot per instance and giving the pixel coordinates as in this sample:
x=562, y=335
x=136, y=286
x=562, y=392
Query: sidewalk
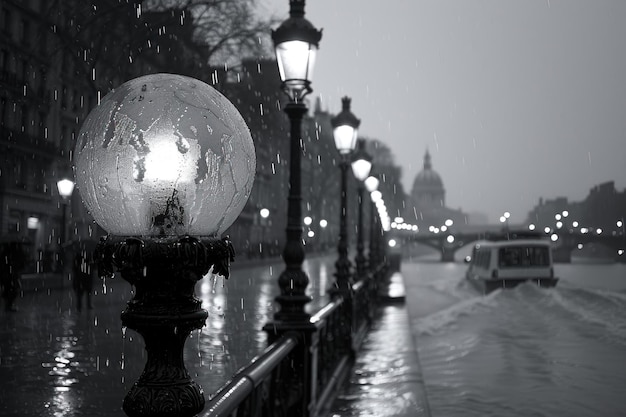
x=386, y=379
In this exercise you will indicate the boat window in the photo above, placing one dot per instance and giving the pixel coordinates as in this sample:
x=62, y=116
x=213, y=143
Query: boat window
x=523, y=256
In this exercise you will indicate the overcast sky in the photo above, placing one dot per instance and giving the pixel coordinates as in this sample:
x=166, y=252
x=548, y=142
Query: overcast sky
x=515, y=100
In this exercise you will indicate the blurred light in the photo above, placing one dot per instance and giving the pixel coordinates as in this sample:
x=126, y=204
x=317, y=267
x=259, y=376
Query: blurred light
x=450, y=239
x=507, y=214
x=502, y=219
x=580, y=246
x=559, y=225
x=308, y=220
x=565, y=213
x=311, y=233
x=531, y=227
x=546, y=229
x=376, y=196
x=323, y=223
x=620, y=252
x=392, y=243
x=557, y=216
x=554, y=237
x=584, y=230
x=431, y=228
x=398, y=220
x=415, y=228
x=619, y=223
x=443, y=228
x=575, y=223
x=371, y=183
x=449, y=222
x=394, y=225
x=436, y=230
x=599, y=231
x=65, y=187
x=264, y=213
x=32, y=222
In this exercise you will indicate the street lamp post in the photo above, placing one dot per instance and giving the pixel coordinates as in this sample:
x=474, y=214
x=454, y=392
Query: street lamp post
x=361, y=166
x=371, y=184
x=65, y=187
x=151, y=185
x=295, y=41
x=345, y=126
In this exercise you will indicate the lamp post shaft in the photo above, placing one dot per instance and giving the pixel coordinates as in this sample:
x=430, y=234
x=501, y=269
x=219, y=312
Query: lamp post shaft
x=343, y=274
x=293, y=281
x=360, y=246
x=63, y=221
x=374, y=231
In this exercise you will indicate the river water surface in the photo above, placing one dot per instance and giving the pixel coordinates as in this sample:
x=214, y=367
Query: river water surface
x=527, y=351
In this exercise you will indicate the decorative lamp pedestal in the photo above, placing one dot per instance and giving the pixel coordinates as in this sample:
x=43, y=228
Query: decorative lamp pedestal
x=164, y=311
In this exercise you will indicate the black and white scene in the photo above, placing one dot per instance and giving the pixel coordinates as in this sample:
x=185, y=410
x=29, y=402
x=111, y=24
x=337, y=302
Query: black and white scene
x=290, y=208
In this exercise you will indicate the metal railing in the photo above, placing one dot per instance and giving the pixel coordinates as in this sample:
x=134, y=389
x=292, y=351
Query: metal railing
x=302, y=367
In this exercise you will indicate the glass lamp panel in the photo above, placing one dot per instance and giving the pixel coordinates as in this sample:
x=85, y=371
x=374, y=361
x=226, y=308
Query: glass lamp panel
x=295, y=60
x=345, y=138
x=66, y=187
x=371, y=184
x=165, y=154
x=361, y=169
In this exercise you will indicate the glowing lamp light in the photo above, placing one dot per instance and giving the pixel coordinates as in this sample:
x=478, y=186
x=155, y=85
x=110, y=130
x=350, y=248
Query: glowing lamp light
x=361, y=163
x=323, y=223
x=308, y=220
x=531, y=227
x=371, y=183
x=265, y=213
x=449, y=222
x=165, y=155
x=376, y=196
x=65, y=187
x=392, y=243
x=450, y=239
x=554, y=237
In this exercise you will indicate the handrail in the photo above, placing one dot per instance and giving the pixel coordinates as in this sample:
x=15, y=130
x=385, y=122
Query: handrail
x=229, y=397
x=326, y=311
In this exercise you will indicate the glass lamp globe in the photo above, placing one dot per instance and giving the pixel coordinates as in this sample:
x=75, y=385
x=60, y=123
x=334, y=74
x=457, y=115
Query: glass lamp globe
x=165, y=155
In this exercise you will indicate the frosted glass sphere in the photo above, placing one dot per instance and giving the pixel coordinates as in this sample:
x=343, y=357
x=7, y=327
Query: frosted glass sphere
x=166, y=155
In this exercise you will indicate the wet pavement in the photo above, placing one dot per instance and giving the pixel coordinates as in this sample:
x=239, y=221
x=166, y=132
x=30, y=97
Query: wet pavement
x=386, y=379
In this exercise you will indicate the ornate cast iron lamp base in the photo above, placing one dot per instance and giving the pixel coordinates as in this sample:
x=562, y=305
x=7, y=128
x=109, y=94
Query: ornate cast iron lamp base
x=164, y=310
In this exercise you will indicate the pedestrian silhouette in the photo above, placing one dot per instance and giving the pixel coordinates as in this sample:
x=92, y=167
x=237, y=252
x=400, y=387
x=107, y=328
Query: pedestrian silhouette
x=12, y=261
x=82, y=278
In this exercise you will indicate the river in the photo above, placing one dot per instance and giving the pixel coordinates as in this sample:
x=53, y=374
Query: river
x=527, y=351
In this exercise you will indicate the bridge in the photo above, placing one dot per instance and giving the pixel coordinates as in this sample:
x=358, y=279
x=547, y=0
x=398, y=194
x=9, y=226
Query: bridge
x=447, y=243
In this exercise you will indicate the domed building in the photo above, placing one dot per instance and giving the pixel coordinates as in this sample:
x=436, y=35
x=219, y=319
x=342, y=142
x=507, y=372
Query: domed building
x=427, y=202
x=428, y=188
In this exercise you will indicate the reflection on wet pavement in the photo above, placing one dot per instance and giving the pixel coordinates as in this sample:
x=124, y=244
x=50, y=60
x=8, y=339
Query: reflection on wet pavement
x=56, y=361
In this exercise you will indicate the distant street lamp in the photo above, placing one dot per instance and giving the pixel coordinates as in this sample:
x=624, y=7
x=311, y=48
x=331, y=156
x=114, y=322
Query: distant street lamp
x=66, y=188
x=295, y=41
x=153, y=171
x=361, y=166
x=371, y=184
x=345, y=127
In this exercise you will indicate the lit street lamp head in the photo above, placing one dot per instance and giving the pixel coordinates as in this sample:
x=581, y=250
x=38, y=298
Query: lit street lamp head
x=296, y=42
x=345, y=127
x=165, y=155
